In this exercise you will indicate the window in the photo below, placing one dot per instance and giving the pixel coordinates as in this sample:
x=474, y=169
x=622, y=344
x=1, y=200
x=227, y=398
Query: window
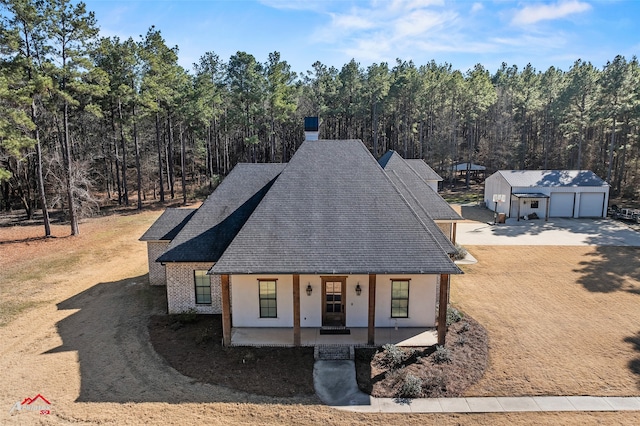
x=268, y=296
x=534, y=204
x=203, y=287
x=399, y=299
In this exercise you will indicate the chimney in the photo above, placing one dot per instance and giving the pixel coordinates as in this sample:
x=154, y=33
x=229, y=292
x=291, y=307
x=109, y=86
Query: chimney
x=311, y=128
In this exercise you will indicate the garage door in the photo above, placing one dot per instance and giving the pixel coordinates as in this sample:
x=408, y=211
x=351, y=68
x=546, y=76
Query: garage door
x=591, y=204
x=561, y=204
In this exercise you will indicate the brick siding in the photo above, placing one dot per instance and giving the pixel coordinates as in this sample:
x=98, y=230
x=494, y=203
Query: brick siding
x=156, y=270
x=181, y=294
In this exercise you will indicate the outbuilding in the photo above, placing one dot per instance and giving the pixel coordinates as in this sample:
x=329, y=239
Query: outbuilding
x=547, y=193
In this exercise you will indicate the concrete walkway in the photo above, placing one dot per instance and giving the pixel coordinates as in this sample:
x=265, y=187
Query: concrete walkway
x=335, y=384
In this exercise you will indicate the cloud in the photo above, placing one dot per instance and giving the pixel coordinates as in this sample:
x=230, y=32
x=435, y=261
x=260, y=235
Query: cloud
x=546, y=12
x=477, y=7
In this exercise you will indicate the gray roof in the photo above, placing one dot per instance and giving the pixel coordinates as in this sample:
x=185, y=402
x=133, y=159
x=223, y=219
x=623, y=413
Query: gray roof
x=423, y=170
x=334, y=210
x=420, y=196
x=551, y=178
x=461, y=167
x=167, y=226
x=206, y=236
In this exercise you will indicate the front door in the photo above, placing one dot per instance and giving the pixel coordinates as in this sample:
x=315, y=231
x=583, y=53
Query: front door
x=333, y=303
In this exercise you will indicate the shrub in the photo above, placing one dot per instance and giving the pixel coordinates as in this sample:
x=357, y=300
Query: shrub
x=393, y=356
x=434, y=383
x=441, y=355
x=460, y=252
x=461, y=341
x=411, y=387
x=453, y=315
x=464, y=327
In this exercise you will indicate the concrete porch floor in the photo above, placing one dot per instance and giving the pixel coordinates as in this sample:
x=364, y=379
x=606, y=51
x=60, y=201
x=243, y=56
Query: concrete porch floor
x=259, y=336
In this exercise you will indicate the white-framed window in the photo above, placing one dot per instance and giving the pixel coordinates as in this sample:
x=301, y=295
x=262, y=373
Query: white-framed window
x=203, y=287
x=399, y=298
x=268, y=298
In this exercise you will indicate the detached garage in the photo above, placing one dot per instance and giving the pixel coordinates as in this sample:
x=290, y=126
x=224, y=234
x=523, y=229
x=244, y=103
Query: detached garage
x=547, y=193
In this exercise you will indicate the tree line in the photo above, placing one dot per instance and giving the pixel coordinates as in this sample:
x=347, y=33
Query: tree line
x=85, y=115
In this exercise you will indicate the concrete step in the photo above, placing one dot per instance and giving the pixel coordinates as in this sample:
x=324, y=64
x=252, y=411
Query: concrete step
x=333, y=352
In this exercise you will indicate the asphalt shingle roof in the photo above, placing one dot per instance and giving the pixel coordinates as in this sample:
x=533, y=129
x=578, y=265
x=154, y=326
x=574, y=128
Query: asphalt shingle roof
x=167, y=226
x=552, y=178
x=334, y=210
x=423, y=170
x=418, y=193
x=206, y=236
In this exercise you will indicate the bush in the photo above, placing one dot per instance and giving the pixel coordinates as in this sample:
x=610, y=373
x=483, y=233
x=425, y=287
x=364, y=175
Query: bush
x=453, y=315
x=411, y=387
x=442, y=355
x=464, y=327
x=460, y=252
x=393, y=355
x=461, y=341
x=434, y=383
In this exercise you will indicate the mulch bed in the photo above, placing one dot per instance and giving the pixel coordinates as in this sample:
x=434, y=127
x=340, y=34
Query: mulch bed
x=466, y=345
x=193, y=346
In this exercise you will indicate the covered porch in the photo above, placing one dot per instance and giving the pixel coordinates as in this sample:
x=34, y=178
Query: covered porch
x=311, y=336
x=370, y=335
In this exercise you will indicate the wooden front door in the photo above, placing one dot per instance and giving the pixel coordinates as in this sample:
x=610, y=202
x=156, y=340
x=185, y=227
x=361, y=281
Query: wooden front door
x=333, y=303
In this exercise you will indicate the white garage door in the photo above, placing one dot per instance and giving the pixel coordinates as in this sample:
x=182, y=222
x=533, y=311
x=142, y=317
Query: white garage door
x=591, y=204
x=561, y=204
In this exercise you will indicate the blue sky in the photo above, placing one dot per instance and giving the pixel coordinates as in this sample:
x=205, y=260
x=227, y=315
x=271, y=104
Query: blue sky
x=459, y=32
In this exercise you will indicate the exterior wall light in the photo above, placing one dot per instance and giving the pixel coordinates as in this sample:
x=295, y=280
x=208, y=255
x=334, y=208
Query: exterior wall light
x=358, y=289
x=309, y=289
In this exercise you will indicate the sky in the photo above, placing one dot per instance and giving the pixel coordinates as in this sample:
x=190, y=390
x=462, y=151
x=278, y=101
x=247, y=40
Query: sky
x=461, y=33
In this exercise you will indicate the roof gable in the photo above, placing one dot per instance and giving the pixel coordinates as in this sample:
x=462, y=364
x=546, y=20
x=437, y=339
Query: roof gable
x=552, y=178
x=334, y=210
x=423, y=170
x=420, y=196
x=208, y=233
x=168, y=225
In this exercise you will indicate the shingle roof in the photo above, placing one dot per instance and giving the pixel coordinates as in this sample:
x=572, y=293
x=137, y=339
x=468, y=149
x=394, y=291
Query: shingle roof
x=417, y=192
x=423, y=170
x=551, y=178
x=334, y=210
x=167, y=226
x=218, y=220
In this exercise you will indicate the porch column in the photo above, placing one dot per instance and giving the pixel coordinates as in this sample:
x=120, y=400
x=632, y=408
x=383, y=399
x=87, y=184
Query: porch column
x=371, y=331
x=442, y=308
x=226, y=310
x=296, y=310
x=453, y=239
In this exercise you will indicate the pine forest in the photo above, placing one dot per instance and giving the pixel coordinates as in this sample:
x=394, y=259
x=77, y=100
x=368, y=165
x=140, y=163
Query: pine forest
x=87, y=120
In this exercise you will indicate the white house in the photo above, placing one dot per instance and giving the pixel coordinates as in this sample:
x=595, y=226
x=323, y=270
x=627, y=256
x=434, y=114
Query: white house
x=329, y=241
x=548, y=193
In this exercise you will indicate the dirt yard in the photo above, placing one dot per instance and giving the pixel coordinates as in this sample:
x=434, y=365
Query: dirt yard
x=75, y=314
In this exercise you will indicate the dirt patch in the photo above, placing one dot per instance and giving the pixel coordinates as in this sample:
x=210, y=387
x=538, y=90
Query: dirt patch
x=443, y=372
x=561, y=320
x=193, y=347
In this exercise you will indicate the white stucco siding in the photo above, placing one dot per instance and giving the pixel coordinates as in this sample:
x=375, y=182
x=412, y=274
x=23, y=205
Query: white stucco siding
x=245, y=305
x=422, y=301
x=181, y=293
